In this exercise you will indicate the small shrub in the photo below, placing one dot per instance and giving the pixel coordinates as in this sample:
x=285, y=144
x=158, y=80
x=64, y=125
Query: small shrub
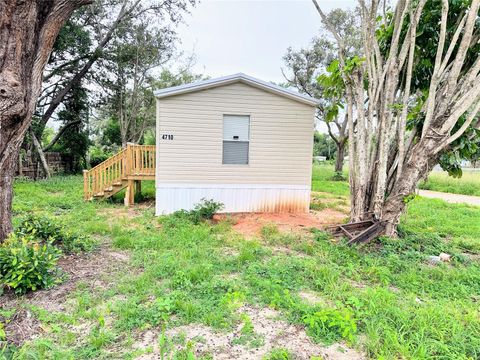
x=204, y=210
x=48, y=231
x=99, y=155
x=207, y=208
x=27, y=265
x=331, y=324
x=40, y=227
x=269, y=231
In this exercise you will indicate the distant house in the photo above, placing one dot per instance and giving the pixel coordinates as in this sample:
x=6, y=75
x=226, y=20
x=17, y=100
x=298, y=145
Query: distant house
x=237, y=140
x=320, y=158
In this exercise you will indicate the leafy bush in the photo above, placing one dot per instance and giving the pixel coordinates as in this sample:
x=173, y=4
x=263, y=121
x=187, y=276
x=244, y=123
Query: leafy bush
x=331, y=324
x=26, y=264
x=48, y=231
x=99, y=155
x=204, y=210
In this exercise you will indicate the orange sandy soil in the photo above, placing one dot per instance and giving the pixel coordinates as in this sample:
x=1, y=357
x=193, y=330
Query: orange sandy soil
x=250, y=224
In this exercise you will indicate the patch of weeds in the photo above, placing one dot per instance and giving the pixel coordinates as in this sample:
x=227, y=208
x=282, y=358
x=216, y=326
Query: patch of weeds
x=3, y=335
x=250, y=251
x=43, y=348
x=233, y=300
x=187, y=353
x=330, y=325
x=202, y=211
x=320, y=235
x=319, y=206
x=282, y=299
x=99, y=335
x=139, y=315
x=273, y=236
x=278, y=354
x=48, y=231
x=165, y=345
x=27, y=265
x=7, y=350
x=269, y=231
x=247, y=334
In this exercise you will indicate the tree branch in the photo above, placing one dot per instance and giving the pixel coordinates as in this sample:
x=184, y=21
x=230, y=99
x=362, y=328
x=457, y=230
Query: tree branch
x=60, y=133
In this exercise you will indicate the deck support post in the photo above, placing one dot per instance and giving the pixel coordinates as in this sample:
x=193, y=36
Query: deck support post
x=138, y=187
x=130, y=193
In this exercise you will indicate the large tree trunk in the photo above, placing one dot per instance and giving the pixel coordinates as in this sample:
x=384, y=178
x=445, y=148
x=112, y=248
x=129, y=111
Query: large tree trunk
x=339, y=161
x=28, y=30
x=7, y=173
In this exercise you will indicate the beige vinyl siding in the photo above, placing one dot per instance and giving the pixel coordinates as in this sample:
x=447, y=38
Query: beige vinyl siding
x=281, y=137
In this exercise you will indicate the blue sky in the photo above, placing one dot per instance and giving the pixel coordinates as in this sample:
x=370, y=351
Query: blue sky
x=230, y=36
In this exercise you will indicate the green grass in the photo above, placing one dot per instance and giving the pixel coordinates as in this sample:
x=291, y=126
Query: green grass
x=468, y=184
x=322, y=181
x=385, y=299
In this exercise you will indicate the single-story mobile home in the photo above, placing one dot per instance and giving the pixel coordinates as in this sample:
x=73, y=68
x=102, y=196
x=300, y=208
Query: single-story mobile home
x=237, y=140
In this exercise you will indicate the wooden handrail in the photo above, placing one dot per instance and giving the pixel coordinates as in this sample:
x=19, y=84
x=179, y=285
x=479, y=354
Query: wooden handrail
x=133, y=161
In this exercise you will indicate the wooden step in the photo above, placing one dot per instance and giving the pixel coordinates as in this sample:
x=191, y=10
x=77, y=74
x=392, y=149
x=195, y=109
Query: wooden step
x=134, y=163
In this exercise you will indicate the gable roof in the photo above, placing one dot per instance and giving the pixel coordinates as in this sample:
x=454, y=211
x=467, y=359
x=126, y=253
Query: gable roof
x=239, y=77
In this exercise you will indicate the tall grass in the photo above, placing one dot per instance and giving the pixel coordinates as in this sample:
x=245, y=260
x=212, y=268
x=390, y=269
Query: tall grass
x=468, y=184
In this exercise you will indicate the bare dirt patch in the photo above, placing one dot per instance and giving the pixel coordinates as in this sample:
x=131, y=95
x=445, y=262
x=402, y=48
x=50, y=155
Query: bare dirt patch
x=275, y=334
x=90, y=268
x=313, y=298
x=250, y=224
x=130, y=212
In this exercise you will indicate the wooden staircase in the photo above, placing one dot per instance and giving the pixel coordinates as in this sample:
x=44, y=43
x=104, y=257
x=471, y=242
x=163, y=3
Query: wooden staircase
x=126, y=169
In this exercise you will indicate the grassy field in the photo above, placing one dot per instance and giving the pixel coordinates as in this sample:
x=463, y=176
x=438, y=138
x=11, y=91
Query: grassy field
x=159, y=278
x=468, y=184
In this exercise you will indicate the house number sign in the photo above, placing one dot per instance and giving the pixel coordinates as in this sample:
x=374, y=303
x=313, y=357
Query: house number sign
x=167, y=137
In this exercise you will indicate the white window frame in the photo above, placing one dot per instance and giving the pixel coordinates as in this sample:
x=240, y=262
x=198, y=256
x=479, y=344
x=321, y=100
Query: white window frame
x=243, y=141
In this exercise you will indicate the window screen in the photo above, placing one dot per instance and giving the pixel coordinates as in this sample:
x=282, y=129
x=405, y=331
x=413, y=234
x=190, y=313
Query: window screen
x=236, y=136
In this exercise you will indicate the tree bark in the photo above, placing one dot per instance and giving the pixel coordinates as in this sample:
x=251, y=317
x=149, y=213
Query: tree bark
x=7, y=173
x=339, y=161
x=28, y=30
x=60, y=133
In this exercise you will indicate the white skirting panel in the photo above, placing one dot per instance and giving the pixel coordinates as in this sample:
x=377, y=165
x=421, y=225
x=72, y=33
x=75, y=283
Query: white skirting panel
x=235, y=197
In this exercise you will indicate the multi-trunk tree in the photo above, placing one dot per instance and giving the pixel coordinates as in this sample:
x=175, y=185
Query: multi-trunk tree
x=412, y=105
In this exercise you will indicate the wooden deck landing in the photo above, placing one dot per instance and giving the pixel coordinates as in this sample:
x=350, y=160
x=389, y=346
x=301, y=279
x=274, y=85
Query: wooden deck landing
x=124, y=170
